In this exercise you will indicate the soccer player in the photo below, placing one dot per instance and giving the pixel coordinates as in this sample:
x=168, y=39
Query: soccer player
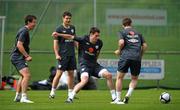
x=65, y=54
x=88, y=51
x=20, y=56
x=131, y=49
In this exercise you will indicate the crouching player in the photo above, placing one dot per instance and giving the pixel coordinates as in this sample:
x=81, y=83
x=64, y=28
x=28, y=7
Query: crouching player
x=88, y=52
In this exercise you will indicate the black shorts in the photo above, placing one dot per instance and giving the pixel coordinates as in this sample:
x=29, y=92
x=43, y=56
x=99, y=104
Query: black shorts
x=19, y=64
x=125, y=64
x=92, y=70
x=67, y=63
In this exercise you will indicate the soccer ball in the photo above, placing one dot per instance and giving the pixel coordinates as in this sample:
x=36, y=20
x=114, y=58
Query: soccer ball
x=165, y=98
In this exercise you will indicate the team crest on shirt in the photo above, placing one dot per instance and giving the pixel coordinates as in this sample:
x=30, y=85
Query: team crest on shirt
x=72, y=30
x=91, y=50
x=59, y=66
x=96, y=46
x=26, y=64
x=64, y=31
x=82, y=69
x=87, y=43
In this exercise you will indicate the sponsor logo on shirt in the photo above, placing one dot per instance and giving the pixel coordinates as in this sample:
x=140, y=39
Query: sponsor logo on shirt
x=133, y=40
x=92, y=54
x=67, y=40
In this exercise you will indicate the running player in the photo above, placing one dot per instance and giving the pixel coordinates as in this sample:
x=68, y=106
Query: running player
x=88, y=51
x=20, y=56
x=65, y=54
x=131, y=49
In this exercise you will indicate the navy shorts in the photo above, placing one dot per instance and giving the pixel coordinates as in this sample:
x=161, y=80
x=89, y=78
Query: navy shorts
x=92, y=70
x=67, y=63
x=125, y=64
x=19, y=64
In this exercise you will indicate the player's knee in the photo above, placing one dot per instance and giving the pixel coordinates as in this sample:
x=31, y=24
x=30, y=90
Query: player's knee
x=84, y=79
x=108, y=75
x=120, y=75
x=134, y=77
x=27, y=75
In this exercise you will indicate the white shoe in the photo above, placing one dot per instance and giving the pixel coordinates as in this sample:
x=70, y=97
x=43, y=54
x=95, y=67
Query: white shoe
x=25, y=100
x=117, y=101
x=114, y=101
x=120, y=102
x=52, y=95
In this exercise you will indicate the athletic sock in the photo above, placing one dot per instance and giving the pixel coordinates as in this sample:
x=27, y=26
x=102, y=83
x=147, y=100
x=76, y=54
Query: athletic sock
x=130, y=90
x=72, y=94
x=24, y=95
x=113, y=94
x=53, y=90
x=118, y=95
x=69, y=92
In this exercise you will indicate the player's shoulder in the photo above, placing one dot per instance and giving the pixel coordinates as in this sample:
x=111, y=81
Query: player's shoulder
x=85, y=37
x=60, y=27
x=72, y=26
x=23, y=30
x=100, y=42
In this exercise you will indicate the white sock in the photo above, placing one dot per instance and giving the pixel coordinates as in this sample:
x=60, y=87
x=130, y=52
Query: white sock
x=53, y=89
x=118, y=95
x=24, y=95
x=69, y=91
x=130, y=90
x=113, y=94
x=72, y=94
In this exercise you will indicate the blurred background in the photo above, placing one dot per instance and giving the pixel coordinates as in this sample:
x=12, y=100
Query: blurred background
x=162, y=35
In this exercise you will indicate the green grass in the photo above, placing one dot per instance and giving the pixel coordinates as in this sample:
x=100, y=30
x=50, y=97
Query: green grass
x=91, y=100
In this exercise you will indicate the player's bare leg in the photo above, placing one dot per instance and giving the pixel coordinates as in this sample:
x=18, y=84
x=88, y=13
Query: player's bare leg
x=110, y=84
x=119, y=80
x=77, y=88
x=55, y=83
x=24, y=84
x=18, y=90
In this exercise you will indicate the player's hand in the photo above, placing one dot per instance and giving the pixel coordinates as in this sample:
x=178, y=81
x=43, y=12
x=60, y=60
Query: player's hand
x=58, y=57
x=28, y=58
x=117, y=52
x=55, y=34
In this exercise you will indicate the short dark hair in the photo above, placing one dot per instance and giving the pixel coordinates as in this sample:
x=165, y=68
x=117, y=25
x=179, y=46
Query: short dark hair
x=29, y=18
x=66, y=13
x=94, y=30
x=126, y=21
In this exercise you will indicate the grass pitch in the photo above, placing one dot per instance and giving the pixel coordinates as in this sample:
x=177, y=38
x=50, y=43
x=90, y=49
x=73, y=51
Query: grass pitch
x=91, y=100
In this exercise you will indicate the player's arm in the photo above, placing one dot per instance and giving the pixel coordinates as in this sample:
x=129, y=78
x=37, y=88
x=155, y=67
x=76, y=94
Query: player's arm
x=120, y=46
x=22, y=50
x=66, y=36
x=143, y=45
x=143, y=49
x=56, y=48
